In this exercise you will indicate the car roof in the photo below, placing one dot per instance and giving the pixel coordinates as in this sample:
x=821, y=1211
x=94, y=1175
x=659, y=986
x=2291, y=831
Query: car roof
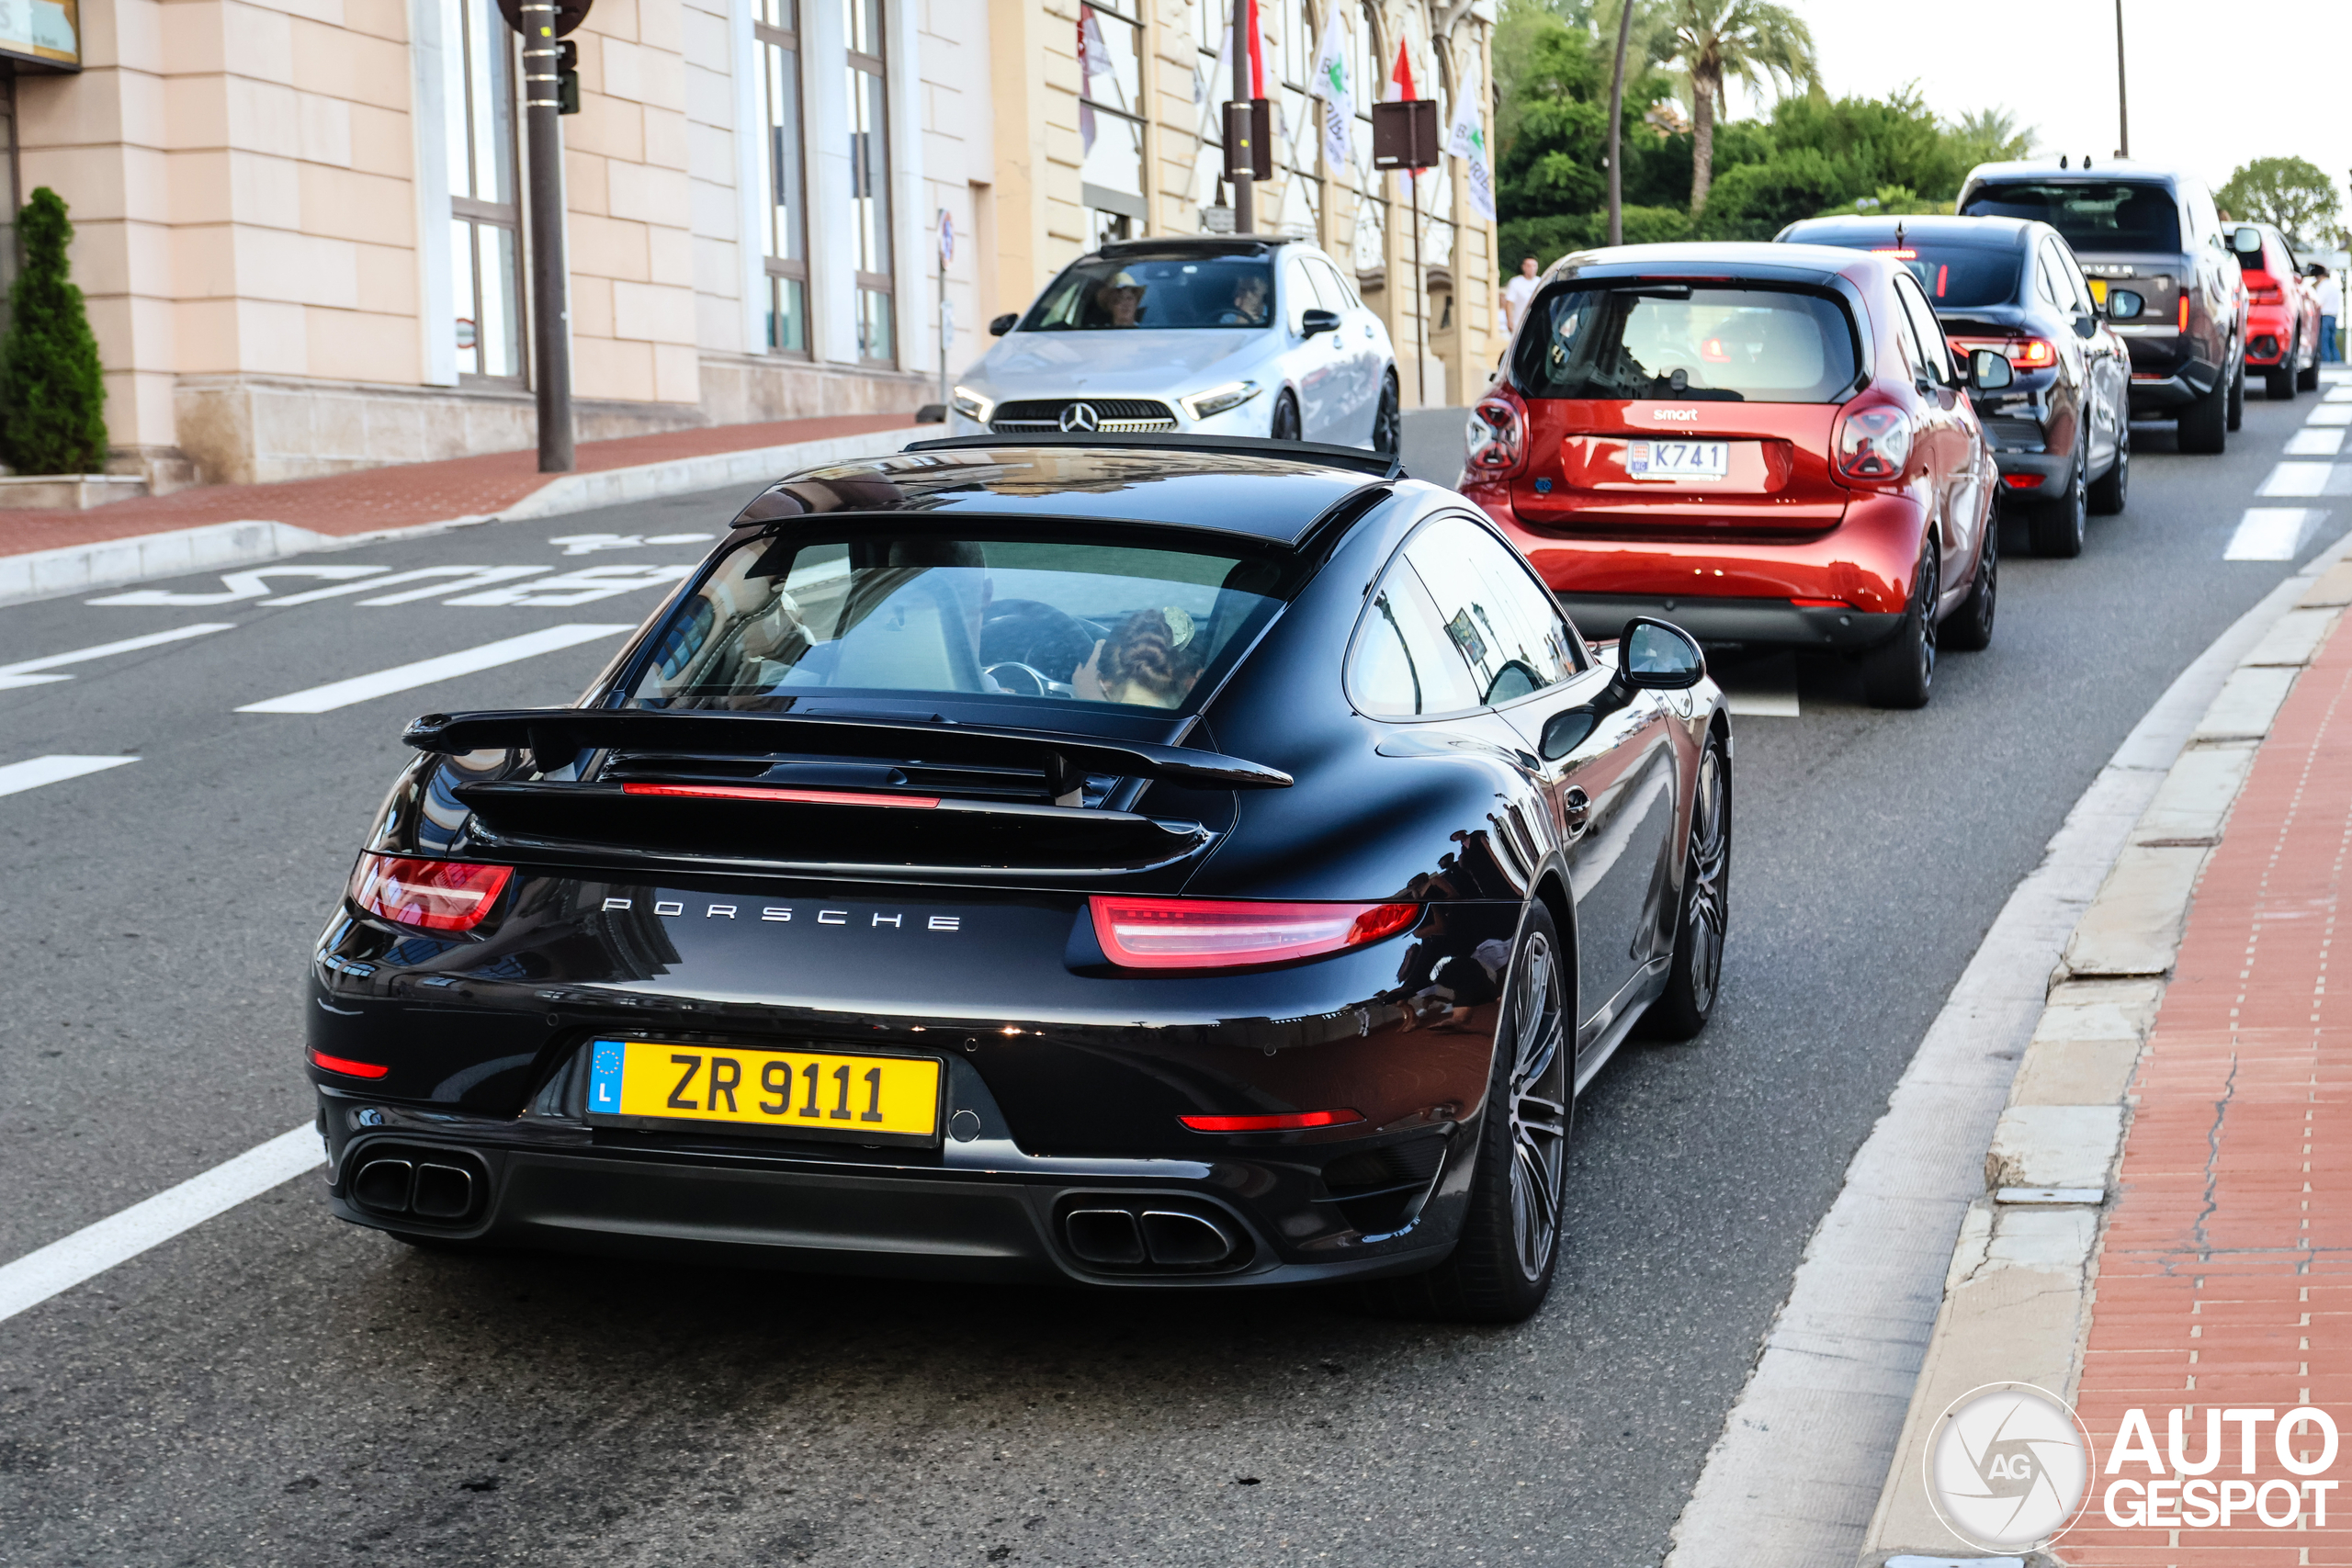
x=1924, y=226
x=1197, y=245
x=1275, y=497
x=2048, y=169
x=1760, y=260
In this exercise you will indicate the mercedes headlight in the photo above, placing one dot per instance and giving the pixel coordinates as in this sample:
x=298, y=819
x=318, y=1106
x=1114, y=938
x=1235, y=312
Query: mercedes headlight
x=973, y=406
x=1216, y=400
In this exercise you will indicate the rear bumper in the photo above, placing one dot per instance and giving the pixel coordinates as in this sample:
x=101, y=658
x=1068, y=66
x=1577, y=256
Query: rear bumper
x=2049, y=467
x=1750, y=622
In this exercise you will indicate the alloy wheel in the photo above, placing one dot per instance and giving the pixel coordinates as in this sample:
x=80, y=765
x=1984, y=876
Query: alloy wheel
x=1388, y=424
x=1710, y=874
x=1539, y=1106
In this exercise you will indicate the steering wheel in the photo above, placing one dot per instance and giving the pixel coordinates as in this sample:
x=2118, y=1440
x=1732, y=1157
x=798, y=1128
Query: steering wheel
x=1035, y=636
x=1020, y=679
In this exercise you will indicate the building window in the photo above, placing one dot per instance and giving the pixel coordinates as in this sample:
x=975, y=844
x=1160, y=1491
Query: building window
x=486, y=249
x=1297, y=207
x=869, y=182
x=783, y=221
x=1110, y=122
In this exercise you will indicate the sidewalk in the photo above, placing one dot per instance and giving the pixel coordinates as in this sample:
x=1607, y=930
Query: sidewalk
x=44, y=551
x=2225, y=1279
x=2164, y=1238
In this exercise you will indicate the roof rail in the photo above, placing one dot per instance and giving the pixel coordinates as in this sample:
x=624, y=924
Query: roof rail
x=1380, y=464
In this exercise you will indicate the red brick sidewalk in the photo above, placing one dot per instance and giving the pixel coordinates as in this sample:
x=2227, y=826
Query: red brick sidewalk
x=2225, y=1281
x=406, y=493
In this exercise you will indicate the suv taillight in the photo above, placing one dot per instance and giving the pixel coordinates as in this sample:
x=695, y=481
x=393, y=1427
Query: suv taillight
x=1873, y=444
x=1497, y=438
x=432, y=895
x=2266, y=293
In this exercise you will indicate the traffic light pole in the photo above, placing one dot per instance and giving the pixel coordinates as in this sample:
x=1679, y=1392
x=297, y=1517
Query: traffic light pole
x=1245, y=199
x=551, y=314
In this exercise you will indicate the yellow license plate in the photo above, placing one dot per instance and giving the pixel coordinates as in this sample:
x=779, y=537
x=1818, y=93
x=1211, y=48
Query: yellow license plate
x=798, y=1093
x=2098, y=290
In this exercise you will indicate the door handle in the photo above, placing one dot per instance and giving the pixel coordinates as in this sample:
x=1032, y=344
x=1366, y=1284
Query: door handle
x=1575, y=809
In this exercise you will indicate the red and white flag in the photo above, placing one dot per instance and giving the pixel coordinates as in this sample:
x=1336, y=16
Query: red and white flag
x=1400, y=88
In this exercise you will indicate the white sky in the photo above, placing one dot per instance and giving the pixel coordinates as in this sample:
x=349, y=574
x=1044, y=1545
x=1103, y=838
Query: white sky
x=2212, y=86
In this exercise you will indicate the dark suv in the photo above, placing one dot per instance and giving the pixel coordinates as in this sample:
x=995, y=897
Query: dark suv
x=2155, y=233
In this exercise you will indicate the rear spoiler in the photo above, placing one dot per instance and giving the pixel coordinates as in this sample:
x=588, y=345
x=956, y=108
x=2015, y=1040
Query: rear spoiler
x=557, y=736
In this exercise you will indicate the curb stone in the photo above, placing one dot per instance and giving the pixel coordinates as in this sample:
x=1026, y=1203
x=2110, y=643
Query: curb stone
x=2018, y=1296
x=113, y=563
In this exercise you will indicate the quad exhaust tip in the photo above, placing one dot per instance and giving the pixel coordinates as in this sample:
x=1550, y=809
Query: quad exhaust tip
x=1158, y=1239
x=421, y=1189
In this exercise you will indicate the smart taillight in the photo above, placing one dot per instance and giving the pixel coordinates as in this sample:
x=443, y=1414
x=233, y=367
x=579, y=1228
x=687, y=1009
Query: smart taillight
x=1214, y=933
x=1498, y=437
x=1873, y=444
x=433, y=895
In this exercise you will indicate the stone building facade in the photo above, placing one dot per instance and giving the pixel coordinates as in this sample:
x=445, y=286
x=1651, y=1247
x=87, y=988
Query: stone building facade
x=299, y=222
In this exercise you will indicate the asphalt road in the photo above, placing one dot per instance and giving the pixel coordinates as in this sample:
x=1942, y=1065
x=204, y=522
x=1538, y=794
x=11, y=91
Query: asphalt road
x=275, y=1387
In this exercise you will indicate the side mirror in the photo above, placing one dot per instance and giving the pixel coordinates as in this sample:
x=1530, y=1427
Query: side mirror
x=1659, y=657
x=1003, y=324
x=2124, y=305
x=1988, y=370
x=2246, y=242
x=1313, y=322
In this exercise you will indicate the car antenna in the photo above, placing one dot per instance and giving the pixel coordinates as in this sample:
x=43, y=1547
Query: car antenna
x=1899, y=233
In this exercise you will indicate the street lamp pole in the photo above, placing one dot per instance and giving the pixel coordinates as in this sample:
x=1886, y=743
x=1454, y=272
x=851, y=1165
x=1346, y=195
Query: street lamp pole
x=1245, y=203
x=550, y=336
x=2122, y=101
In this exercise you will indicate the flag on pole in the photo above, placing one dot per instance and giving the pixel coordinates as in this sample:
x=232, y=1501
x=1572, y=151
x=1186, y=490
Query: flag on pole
x=1467, y=141
x=1400, y=81
x=1331, y=85
x=1257, y=51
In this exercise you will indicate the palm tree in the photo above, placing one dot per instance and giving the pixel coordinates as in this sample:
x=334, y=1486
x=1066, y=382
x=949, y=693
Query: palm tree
x=1992, y=136
x=1713, y=40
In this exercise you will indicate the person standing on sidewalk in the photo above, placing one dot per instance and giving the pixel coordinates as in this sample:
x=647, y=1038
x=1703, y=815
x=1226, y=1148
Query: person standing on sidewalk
x=1517, y=293
x=2330, y=306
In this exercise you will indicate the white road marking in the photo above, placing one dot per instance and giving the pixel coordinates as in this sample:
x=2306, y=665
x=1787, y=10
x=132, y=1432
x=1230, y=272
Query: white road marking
x=2298, y=478
x=470, y=577
x=1762, y=704
x=18, y=777
x=2315, y=441
x=426, y=672
x=238, y=585
x=21, y=673
x=2330, y=414
x=2270, y=533
x=2338, y=393
x=582, y=587
x=588, y=544
x=95, y=1249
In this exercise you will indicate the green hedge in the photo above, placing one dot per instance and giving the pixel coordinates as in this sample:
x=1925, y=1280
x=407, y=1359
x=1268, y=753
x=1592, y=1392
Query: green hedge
x=1549, y=238
x=53, y=399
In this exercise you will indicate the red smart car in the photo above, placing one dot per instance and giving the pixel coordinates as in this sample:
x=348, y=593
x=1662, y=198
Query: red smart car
x=1767, y=444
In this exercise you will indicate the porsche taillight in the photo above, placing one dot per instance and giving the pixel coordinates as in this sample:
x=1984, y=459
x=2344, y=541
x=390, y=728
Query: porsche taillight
x=1872, y=444
x=1497, y=438
x=2266, y=293
x=432, y=895
x=1220, y=933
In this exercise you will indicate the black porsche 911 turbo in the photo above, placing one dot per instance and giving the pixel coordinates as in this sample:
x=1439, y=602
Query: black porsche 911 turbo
x=1172, y=862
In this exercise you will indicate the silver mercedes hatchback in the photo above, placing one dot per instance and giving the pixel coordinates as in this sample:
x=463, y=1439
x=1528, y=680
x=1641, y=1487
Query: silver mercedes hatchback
x=1213, y=335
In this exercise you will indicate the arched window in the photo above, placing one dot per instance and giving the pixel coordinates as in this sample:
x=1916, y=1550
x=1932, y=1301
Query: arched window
x=1110, y=118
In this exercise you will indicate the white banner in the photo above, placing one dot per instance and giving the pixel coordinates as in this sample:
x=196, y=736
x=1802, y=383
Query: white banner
x=1467, y=141
x=1331, y=85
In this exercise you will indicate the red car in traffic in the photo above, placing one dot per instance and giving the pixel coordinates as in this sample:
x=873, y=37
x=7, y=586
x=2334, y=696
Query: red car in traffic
x=2282, y=311
x=1767, y=444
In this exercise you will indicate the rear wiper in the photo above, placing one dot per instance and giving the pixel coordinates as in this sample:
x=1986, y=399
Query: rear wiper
x=557, y=736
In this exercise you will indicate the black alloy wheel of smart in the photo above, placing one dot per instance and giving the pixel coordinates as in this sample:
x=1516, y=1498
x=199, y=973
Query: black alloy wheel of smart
x=1388, y=423
x=2113, y=489
x=1696, y=974
x=1971, y=627
x=1901, y=672
x=2058, y=525
x=1502, y=1268
x=1285, y=418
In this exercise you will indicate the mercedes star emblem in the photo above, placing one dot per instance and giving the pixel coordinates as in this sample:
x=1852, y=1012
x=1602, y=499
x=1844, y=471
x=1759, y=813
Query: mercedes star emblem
x=1080, y=416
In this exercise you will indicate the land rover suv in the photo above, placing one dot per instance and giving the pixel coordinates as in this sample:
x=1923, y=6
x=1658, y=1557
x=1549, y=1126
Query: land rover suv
x=2155, y=233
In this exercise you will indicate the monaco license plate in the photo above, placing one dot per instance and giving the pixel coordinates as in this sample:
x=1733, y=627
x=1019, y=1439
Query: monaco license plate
x=800, y=1094
x=1678, y=459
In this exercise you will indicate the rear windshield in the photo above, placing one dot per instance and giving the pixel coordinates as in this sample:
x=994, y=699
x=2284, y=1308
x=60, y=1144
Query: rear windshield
x=2094, y=215
x=1956, y=276
x=1687, y=342
x=801, y=614
x=1145, y=291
